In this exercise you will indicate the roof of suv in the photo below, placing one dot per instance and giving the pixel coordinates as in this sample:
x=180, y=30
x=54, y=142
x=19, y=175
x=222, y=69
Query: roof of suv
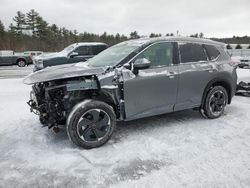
x=176, y=39
x=89, y=43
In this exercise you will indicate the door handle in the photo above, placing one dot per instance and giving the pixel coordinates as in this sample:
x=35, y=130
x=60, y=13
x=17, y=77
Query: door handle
x=210, y=70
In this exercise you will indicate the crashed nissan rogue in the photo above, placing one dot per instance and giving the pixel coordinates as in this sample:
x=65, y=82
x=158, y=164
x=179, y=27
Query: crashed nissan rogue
x=131, y=80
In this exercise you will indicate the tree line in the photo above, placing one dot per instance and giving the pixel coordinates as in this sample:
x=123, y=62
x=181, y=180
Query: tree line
x=29, y=31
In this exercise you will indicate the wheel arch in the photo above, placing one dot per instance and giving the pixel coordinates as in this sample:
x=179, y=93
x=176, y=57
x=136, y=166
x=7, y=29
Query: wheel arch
x=19, y=59
x=220, y=81
x=108, y=98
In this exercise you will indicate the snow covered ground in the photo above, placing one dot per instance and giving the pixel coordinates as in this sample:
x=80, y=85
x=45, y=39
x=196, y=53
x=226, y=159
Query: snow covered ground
x=174, y=150
x=14, y=71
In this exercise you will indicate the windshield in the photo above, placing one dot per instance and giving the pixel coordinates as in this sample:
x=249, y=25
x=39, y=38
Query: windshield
x=68, y=48
x=112, y=55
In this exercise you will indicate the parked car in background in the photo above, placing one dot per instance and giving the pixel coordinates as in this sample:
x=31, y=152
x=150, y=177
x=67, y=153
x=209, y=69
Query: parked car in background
x=72, y=54
x=244, y=62
x=11, y=58
x=131, y=80
x=33, y=54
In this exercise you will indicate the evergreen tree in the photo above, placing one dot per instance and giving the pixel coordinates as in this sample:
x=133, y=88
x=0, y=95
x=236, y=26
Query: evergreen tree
x=20, y=21
x=229, y=47
x=41, y=28
x=238, y=46
x=31, y=18
x=155, y=35
x=196, y=35
x=201, y=35
x=134, y=35
x=1, y=29
x=152, y=35
x=12, y=28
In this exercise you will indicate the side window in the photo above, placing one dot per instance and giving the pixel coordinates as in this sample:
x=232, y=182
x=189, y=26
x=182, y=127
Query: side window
x=159, y=54
x=98, y=49
x=212, y=52
x=83, y=50
x=190, y=52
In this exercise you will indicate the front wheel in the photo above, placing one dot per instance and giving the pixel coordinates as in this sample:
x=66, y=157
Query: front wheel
x=215, y=102
x=91, y=124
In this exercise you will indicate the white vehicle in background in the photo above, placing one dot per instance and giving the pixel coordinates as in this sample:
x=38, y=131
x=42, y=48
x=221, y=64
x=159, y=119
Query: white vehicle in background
x=244, y=62
x=33, y=54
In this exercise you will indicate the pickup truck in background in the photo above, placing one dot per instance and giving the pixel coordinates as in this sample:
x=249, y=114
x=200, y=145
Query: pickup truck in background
x=77, y=52
x=12, y=58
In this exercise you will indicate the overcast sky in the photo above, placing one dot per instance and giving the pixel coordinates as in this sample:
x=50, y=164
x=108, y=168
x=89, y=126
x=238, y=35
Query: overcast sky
x=215, y=18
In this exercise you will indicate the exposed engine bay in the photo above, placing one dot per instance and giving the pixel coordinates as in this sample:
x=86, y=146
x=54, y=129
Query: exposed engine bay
x=54, y=100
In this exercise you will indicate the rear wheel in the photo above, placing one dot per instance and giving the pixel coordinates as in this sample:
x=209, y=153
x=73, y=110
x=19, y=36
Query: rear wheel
x=91, y=124
x=21, y=63
x=215, y=102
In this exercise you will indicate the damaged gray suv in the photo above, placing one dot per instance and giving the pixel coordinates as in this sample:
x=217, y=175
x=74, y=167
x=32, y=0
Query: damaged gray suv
x=131, y=80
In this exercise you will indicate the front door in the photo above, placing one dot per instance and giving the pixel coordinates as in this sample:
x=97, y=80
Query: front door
x=84, y=53
x=152, y=91
x=7, y=60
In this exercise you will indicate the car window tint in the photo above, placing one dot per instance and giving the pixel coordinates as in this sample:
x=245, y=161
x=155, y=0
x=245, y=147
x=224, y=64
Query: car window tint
x=83, y=50
x=97, y=49
x=192, y=52
x=212, y=52
x=158, y=54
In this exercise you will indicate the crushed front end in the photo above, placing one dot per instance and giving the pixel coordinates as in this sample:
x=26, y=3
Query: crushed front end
x=53, y=100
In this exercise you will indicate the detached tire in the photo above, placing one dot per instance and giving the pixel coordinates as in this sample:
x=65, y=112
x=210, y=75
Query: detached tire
x=21, y=63
x=91, y=124
x=215, y=102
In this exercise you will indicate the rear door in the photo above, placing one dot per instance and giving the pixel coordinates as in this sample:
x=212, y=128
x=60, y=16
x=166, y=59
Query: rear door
x=153, y=91
x=195, y=71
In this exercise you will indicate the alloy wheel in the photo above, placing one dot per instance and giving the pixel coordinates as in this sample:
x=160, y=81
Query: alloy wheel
x=217, y=102
x=94, y=125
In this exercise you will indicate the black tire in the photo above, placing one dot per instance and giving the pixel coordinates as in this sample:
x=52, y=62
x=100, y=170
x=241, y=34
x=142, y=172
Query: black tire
x=215, y=102
x=42, y=121
x=84, y=123
x=21, y=63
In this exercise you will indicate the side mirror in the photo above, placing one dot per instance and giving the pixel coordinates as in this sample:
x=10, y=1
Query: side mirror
x=141, y=63
x=73, y=54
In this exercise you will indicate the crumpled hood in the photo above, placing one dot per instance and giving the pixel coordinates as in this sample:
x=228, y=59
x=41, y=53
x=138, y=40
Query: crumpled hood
x=61, y=72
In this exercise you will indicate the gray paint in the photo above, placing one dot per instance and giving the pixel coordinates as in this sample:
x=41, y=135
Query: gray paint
x=152, y=91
